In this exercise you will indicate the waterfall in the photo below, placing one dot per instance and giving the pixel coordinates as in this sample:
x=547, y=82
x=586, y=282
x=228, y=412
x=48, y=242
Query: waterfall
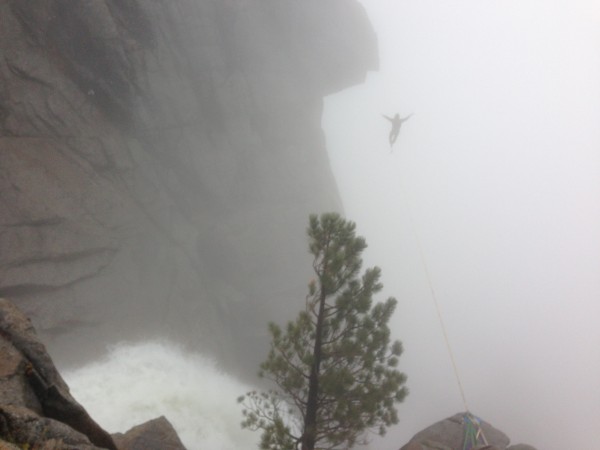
x=141, y=381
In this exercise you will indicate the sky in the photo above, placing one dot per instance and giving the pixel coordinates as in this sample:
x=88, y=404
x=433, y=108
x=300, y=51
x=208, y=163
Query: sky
x=490, y=199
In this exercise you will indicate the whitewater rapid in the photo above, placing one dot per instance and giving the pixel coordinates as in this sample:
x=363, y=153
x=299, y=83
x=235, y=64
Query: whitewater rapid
x=138, y=382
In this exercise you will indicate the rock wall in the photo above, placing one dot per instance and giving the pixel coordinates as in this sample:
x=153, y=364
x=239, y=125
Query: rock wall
x=37, y=410
x=158, y=161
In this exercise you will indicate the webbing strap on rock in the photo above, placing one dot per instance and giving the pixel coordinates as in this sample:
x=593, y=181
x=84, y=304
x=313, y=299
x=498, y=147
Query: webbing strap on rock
x=473, y=432
x=437, y=307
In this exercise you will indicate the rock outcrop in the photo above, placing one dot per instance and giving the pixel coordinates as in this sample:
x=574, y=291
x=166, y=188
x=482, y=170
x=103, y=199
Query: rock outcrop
x=158, y=161
x=37, y=410
x=449, y=434
x=156, y=434
x=36, y=407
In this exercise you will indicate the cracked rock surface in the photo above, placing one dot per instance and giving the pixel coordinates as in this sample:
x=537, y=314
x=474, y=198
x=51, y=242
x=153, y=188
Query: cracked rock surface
x=36, y=408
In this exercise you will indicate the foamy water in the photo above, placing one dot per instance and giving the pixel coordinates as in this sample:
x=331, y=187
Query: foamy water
x=139, y=382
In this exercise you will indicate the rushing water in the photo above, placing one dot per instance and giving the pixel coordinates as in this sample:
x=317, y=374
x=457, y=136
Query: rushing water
x=138, y=382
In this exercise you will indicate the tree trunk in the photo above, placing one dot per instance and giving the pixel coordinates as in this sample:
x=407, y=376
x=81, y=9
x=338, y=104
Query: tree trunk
x=310, y=419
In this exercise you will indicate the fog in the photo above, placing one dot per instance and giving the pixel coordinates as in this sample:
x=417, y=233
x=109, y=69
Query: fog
x=487, y=206
x=495, y=181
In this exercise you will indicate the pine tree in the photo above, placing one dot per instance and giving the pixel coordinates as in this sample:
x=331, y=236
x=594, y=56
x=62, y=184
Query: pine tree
x=334, y=367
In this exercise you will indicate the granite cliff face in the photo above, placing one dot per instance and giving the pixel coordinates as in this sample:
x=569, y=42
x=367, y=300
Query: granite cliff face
x=158, y=161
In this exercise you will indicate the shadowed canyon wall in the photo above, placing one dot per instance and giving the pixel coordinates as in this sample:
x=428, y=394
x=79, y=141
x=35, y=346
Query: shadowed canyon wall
x=159, y=159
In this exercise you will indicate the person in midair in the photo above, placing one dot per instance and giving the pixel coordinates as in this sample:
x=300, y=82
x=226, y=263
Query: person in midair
x=397, y=122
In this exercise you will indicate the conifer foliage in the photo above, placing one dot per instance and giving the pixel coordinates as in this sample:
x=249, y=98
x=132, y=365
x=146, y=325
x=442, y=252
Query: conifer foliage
x=334, y=367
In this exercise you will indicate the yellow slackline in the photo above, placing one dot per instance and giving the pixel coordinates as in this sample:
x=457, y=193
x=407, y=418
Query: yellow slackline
x=436, y=304
x=441, y=320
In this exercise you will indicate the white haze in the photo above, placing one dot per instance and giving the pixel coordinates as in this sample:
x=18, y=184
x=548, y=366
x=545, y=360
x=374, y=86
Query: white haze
x=497, y=175
x=135, y=383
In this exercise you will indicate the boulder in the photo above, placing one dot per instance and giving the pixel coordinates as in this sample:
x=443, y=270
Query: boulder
x=156, y=434
x=35, y=404
x=23, y=427
x=448, y=434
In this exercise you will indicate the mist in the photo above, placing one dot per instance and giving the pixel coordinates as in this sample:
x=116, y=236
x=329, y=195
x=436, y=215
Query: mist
x=159, y=161
x=492, y=189
x=133, y=383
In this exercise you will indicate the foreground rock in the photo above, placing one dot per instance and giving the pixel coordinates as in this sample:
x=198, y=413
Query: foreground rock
x=157, y=434
x=451, y=434
x=36, y=408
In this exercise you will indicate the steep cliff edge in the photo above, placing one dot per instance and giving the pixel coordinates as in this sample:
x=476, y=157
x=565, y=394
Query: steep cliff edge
x=37, y=410
x=158, y=161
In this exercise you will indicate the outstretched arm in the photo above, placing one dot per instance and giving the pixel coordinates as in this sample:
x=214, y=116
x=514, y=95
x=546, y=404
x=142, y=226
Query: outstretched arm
x=406, y=118
x=388, y=118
